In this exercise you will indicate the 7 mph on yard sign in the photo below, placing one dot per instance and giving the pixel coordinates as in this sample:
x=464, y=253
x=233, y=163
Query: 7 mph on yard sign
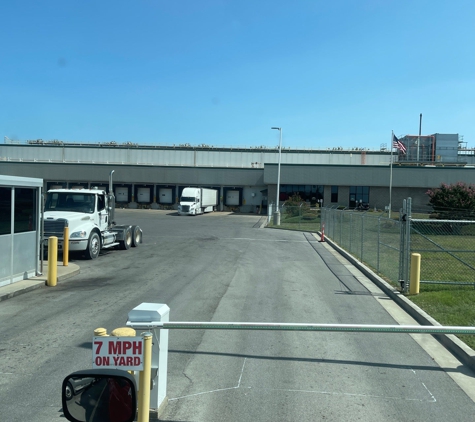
x=118, y=352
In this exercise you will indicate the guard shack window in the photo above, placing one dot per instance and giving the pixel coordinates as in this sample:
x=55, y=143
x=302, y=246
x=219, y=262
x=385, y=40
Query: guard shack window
x=25, y=210
x=5, y=210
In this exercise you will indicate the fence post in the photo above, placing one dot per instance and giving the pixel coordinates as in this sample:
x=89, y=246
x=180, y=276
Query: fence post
x=351, y=231
x=402, y=235
x=378, y=248
x=407, y=254
x=362, y=237
x=325, y=212
x=300, y=214
x=341, y=224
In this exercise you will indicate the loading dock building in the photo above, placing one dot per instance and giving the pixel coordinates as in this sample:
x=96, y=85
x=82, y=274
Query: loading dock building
x=154, y=176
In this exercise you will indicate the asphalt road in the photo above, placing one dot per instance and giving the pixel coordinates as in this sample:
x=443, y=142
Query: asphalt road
x=221, y=267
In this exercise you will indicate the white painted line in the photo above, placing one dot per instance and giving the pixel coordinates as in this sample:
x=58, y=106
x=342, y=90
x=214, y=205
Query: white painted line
x=330, y=393
x=215, y=391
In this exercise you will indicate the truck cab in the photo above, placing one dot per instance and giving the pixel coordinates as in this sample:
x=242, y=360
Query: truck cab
x=82, y=210
x=89, y=216
x=190, y=202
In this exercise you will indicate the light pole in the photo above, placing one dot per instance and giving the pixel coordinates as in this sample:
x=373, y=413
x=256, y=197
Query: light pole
x=277, y=212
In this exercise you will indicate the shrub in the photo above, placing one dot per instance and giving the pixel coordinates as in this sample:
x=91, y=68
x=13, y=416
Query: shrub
x=453, y=202
x=295, y=205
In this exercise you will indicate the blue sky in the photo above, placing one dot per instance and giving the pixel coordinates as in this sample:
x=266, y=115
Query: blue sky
x=330, y=73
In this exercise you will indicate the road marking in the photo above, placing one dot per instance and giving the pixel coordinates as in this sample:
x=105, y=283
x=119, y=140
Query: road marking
x=290, y=390
x=215, y=391
x=330, y=393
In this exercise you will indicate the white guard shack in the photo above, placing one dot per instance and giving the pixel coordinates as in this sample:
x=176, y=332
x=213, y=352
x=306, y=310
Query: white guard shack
x=20, y=215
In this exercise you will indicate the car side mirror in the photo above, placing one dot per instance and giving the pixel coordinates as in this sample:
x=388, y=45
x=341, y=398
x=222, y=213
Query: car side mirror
x=99, y=395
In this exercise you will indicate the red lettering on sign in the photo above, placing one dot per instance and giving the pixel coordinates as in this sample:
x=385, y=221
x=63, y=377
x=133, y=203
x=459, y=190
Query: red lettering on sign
x=122, y=347
x=127, y=345
x=137, y=348
x=115, y=348
x=136, y=361
x=98, y=346
x=102, y=361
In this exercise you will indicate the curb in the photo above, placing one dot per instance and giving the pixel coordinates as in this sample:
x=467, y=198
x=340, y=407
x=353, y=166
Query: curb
x=21, y=290
x=453, y=344
x=25, y=286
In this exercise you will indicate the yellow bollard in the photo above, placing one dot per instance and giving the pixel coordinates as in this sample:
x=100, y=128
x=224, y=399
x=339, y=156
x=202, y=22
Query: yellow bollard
x=415, y=280
x=66, y=246
x=52, y=261
x=145, y=379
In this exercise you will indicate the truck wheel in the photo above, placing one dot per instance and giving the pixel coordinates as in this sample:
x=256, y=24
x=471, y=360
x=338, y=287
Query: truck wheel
x=125, y=244
x=93, y=246
x=136, y=236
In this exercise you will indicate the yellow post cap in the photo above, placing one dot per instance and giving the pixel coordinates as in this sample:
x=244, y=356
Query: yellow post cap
x=123, y=332
x=101, y=332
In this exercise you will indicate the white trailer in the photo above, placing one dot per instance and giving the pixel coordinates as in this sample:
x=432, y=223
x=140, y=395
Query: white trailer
x=196, y=201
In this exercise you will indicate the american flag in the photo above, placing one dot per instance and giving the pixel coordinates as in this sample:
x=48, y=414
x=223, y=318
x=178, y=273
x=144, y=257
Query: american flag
x=398, y=144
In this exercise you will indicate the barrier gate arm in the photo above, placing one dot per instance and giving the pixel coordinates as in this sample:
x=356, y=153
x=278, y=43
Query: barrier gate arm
x=409, y=329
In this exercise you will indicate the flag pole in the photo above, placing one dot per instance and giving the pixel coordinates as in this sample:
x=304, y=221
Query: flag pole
x=391, y=175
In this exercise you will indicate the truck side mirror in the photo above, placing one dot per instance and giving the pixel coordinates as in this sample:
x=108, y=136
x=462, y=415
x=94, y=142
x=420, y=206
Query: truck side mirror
x=105, y=395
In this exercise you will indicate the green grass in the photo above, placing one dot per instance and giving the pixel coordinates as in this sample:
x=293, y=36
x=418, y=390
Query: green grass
x=449, y=305
x=308, y=222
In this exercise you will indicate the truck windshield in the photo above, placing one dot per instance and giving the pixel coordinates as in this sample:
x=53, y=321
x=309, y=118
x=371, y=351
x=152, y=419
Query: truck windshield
x=187, y=199
x=70, y=201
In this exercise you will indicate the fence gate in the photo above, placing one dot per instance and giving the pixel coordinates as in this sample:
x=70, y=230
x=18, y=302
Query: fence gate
x=447, y=247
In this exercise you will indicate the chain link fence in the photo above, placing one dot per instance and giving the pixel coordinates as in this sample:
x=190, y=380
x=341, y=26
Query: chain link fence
x=447, y=247
x=371, y=237
x=301, y=217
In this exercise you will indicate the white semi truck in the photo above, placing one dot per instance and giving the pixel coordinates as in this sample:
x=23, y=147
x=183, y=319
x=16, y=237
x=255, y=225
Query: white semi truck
x=195, y=201
x=89, y=215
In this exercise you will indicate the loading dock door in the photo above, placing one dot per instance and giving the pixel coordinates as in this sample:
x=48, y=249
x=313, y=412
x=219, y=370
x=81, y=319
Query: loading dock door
x=122, y=194
x=232, y=198
x=143, y=195
x=165, y=196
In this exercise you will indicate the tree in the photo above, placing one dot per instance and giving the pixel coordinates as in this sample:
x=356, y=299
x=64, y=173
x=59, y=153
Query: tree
x=453, y=202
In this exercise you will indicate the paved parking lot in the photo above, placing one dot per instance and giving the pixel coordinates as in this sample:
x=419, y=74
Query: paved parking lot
x=223, y=267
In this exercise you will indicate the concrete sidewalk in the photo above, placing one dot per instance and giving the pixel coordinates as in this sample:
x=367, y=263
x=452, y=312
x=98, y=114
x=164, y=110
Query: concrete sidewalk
x=23, y=286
